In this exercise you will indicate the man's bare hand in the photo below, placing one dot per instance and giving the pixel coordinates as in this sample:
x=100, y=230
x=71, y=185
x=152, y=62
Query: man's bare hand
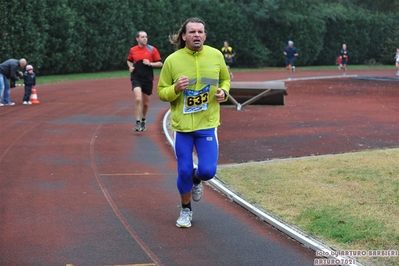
x=146, y=62
x=181, y=84
x=220, y=95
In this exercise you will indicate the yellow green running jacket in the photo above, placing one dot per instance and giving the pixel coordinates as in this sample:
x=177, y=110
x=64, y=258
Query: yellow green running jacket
x=195, y=108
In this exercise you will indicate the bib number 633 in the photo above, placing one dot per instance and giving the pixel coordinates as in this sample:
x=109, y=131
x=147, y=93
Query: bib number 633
x=197, y=100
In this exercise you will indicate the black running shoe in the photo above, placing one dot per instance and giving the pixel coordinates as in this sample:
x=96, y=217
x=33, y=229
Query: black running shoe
x=142, y=124
x=138, y=126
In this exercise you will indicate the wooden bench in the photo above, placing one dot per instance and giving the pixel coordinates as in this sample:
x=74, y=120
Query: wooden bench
x=261, y=93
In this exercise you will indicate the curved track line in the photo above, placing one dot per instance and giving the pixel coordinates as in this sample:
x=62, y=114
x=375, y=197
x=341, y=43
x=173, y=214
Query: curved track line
x=12, y=143
x=383, y=104
x=112, y=204
x=104, y=190
x=25, y=132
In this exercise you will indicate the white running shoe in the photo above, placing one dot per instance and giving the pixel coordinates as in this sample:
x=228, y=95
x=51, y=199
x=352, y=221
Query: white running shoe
x=24, y=102
x=10, y=103
x=197, y=192
x=185, y=218
x=1, y=104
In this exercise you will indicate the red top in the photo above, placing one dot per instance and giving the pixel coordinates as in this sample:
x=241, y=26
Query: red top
x=136, y=55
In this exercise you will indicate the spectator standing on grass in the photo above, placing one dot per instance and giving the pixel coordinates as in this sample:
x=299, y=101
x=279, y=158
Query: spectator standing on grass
x=9, y=69
x=228, y=54
x=141, y=60
x=29, y=81
x=397, y=61
x=344, y=55
x=290, y=52
x=194, y=80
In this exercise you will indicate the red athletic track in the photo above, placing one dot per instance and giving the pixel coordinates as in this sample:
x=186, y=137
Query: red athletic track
x=78, y=186
x=320, y=116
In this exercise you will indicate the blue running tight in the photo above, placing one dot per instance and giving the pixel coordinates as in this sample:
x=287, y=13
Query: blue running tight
x=207, y=147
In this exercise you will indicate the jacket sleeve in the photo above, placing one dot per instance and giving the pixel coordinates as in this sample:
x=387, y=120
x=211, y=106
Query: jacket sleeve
x=224, y=79
x=166, y=87
x=14, y=74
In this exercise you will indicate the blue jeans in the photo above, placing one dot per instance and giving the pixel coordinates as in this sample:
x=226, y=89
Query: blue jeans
x=4, y=89
x=207, y=147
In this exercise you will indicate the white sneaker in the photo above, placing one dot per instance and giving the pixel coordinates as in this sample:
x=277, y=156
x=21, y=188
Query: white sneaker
x=185, y=218
x=24, y=102
x=29, y=102
x=1, y=104
x=10, y=103
x=197, y=192
x=397, y=73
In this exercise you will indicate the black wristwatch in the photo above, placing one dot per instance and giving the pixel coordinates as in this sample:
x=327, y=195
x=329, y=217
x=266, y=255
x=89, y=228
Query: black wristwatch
x=225, y=94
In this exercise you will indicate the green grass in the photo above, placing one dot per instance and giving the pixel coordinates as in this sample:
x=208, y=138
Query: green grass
x=350, y=201
x=330, y=67
x=84, y=76
x=125, y=73
x=336, y=223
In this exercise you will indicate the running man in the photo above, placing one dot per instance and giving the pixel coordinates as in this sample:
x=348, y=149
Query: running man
x=141, y=60
x=194, y=80
x=290, y=53
x=344, y=55
x=228, y=54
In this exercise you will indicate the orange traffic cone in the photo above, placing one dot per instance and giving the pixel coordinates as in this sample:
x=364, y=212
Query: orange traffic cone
x=33, y=97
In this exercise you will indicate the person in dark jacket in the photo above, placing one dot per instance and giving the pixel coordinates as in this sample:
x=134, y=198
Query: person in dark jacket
x=344, y=55
x=9, y=70
x=29, y=81
x=290, y=53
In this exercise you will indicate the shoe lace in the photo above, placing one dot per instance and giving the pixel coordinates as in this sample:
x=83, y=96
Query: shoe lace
x=185, y=214
x=197, y=188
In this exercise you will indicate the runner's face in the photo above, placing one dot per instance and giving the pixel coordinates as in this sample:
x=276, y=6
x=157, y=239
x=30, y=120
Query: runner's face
x=195, y=36
x=142, y=39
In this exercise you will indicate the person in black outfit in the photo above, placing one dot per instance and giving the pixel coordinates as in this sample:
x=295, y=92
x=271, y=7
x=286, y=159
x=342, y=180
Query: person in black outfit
x=29, y=81
x=344, y=54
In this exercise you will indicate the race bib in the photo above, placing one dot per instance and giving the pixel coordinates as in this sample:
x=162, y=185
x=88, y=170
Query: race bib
x=196, y=101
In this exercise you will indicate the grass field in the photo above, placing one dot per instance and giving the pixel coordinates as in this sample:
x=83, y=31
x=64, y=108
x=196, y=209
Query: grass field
x=125, y=73
x=350, y=201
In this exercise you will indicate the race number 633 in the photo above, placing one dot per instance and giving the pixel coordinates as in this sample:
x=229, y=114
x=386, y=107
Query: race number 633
x=197, y=100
